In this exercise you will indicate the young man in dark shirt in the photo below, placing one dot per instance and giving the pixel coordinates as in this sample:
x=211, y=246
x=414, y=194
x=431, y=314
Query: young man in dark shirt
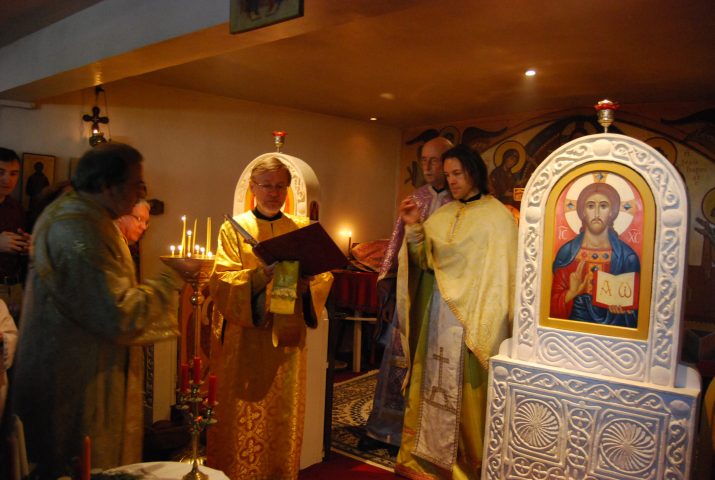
x=14, y=241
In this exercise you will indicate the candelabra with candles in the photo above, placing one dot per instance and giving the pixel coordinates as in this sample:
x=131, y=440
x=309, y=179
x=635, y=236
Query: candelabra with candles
x=194, y=265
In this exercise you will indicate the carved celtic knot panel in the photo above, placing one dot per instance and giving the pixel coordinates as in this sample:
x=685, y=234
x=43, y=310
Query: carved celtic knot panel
x=545, y=423
x=653, y=360
x=605, y=356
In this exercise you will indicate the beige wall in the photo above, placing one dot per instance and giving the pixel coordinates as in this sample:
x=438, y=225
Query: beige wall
x=195, y=148
x=197, y=145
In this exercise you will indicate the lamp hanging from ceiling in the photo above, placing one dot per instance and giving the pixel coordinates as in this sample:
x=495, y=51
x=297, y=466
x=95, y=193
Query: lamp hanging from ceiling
x=97, y=135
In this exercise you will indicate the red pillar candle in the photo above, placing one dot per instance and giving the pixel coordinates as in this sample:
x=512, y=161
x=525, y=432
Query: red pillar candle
x=184, y=377
x=197, y=370
x=212, y=390
x=86, y=458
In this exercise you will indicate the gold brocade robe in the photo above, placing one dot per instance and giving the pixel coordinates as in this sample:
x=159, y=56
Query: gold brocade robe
x=261, y=397
x=78, y=368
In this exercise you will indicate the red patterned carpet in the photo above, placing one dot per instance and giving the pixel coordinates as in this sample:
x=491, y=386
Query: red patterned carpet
x=352, y=403
x=344, y=468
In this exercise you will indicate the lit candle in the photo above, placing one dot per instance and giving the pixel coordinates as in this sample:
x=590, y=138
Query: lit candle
x=208, y=234
x=172, y=248
x=210, y=254
x=183, y=234
x=181, y=249
x=212, y=390
x=348, y=233
x=184, y=377
x=197, y=249
x=193, y=239
x=203, y=251
x=197, y=370
x=86, y=458
x=187, y=250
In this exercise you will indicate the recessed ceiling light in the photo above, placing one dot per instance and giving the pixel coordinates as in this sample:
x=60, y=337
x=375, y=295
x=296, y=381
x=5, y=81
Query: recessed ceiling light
x=373, y=119
x=530, y=72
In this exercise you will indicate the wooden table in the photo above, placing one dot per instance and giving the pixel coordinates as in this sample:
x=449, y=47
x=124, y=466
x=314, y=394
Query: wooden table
x=355, y=292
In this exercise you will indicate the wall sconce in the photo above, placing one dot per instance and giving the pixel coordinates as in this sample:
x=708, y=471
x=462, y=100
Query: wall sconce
x=97, y=136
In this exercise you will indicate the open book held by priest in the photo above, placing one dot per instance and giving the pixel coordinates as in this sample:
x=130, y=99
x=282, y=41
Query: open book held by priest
x=311, y=246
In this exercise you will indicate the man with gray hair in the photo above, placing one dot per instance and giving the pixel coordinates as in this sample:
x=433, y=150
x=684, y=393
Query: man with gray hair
x=135, y=223
x=384, y=425
x=259, y=327
x=77, y=370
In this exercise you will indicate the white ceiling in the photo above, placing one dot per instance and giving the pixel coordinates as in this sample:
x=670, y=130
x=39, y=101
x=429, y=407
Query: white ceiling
x=22, y=17
x=435, y=61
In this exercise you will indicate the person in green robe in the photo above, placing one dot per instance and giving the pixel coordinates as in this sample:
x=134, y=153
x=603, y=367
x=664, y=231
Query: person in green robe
x=78, y=367
x=457, y=270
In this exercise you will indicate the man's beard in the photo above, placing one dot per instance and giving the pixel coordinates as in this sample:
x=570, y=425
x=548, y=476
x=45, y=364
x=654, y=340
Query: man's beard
x=597, y=225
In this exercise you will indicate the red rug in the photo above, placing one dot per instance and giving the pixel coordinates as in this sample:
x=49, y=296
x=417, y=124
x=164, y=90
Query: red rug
x=344, y=468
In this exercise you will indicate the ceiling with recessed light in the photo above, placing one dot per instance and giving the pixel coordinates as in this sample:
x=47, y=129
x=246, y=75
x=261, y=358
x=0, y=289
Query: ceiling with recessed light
x=426, y=62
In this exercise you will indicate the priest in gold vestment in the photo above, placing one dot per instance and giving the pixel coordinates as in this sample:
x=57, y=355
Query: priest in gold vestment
x=457, y=271
x=79, y=367
x=257, y=351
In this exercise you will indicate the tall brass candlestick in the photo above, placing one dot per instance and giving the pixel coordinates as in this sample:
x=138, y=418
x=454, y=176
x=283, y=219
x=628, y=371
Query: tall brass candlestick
x=196, y=272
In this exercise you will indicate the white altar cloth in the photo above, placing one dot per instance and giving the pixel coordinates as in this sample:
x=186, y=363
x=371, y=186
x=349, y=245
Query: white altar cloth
x=166, y=470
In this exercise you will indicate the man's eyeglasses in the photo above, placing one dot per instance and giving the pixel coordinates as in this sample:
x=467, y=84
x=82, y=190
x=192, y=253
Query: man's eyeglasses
x=141, y=221
x=430, y=162
x=271, y=188
x=141, y=189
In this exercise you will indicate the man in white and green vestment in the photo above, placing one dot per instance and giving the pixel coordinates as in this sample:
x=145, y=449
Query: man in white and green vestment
x=456, y=273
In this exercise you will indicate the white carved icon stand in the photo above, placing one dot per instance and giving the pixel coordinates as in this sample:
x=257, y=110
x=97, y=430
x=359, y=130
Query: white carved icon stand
x=570, y=399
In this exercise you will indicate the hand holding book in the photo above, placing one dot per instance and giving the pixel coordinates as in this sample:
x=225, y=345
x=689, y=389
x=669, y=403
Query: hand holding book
x=311, y=246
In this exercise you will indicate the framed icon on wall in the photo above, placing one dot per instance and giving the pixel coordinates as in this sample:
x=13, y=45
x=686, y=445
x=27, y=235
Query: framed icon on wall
x=248, y=15
x=38, y=174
